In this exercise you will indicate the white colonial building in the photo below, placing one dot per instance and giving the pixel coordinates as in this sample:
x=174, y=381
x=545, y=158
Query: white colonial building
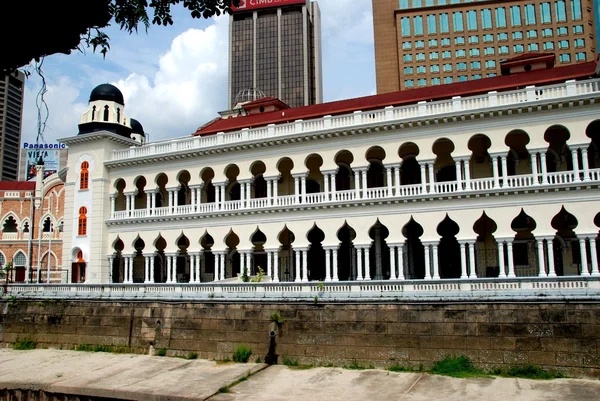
x=490, y=179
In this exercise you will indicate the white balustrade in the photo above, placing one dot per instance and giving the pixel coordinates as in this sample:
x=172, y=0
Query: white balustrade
x=347, y=195
x=409, y=190
x=519, y=181
x=544, y=93
x=257, y=203
x=207, y=207
x=286, y=200
x=139, y=213
x=482, y=184
x=595, y=174
x=561, y=177
x=184, y=209
x=376, y=193
x=315, y=198
x=121, y=214
x=10, y=236
x=229, y=206
x=447, y=187
x=161, y=211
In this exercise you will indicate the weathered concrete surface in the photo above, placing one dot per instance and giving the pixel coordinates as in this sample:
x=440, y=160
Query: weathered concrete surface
x=139, y=377
x=279, y=383
x=128, y=377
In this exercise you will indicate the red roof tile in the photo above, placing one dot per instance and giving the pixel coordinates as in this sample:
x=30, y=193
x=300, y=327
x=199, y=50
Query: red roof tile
x=430, y=93
x=17, y=185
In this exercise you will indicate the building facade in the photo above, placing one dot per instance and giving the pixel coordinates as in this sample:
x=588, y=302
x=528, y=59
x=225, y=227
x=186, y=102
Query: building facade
x=275, y=47
x=431, y=42
x=32, y=222
x=496, y=178
x=12, y=88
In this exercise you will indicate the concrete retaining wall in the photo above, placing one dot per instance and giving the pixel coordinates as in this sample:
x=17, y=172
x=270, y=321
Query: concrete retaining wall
x=553, y=335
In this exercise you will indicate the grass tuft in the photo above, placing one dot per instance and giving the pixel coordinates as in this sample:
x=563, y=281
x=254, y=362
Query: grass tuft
x=242, y=354
x=399, y=368
x=356, y=366
x=533, y=372
x=161, y=352
x=460, y=367
x=25, y=344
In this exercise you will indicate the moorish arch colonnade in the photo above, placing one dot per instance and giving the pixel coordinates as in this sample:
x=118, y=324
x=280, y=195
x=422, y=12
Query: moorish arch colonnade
x=543, y=240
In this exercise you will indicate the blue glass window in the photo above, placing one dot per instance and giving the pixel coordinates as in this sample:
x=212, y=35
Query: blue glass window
x=531, y=34
x=435, y=81
x=434, y=56
x=548, y=45
x=434, y=68
x=408, y=70
x=561, y=10
x=419, y=44
x=472, y=20
x=406, y=45
x=580, y=56
x=576, y=10
x=431, y=25
x=577, y=29
x=501, y=17
x=563, y=44
x=488, y=37
x=474, y=52
x=547, y=33
x=459, y=40
x=407, y=58
x=502, y=37
x=517, y=35
x=530, y=14
x=518, y=48
x=486, y=18
x=503, y=50
x=489, y=51
x=404, y=4
x=444, y=23
x=461, y=67
x=461, y=53
x=420, y=57
x=476, y=76
x=445, y=41
x=515, y=15
x=457, y=20
x=545, y=13
x=409, y=83
x=462, y=78
x=490, y=64
x=579, y=42
x=406, y=27
x=446, y=54
x=562, y=31
x=565, y=58
x=421, y=69
x=422, y=82
x=491, y=74
x=476, y=65
x=533, y=47
x=417, y=3
x=473, y=39
x=448, y=80
x=433, y=42
x=418, y=22
x=448, y=67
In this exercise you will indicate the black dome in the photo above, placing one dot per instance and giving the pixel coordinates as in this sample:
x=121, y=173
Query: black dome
x=136, y=127
x=107, y=92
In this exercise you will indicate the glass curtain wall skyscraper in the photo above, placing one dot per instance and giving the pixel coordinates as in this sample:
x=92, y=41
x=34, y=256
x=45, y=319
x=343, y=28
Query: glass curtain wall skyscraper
x=12, y=88
x=430, y=42
x=275, y=48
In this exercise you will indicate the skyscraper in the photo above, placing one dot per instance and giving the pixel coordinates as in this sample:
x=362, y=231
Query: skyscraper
x=431, y=42
x=11, y=112
x=275, y=48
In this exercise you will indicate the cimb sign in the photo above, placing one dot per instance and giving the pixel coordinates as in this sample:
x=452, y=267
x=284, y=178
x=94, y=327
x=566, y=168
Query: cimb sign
x=247, y=5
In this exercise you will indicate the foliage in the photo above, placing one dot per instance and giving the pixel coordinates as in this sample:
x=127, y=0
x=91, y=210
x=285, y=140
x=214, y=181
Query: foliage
x=320, y=286
x=192, y=355
x=533, y=372
x=457, y=367
x=399, y=368
x=25, y=344
x=277, y=318
x=289, y=362
x=356, y=366
x=161, y=352
x=257, y=360
x=242, y=354
x=52, y=27
x=245, y=277
x=259, y=276
x=224, y=389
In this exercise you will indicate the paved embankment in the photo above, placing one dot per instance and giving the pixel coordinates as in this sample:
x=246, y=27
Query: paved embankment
x=140, y=377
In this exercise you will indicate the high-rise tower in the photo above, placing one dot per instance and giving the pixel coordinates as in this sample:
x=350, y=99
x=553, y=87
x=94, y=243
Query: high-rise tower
x=275, y=47
x=11, y=112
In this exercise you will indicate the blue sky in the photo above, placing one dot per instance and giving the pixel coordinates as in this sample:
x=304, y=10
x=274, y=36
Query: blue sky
x=174, y=78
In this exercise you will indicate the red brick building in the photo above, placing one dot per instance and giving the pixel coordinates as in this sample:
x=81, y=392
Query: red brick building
x=31, y=229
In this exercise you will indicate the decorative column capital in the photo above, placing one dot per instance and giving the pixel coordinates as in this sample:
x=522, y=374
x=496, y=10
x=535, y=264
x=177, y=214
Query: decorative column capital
x=330, y=171
x=392, y=165
x=300, y=175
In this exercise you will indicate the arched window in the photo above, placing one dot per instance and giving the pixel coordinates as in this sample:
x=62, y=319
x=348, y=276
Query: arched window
x=82, y=221
x=84, y=176
x=2, y=261
x=118, y=115
x=106, y=113
x=93, y=112
x=20, y=259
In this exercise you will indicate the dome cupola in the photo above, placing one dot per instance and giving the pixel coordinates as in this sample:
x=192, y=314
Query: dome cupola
x=107, y=92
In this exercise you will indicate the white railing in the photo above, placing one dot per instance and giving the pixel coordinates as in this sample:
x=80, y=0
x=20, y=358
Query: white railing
x=10, y=236
x=380, y=193
x=456, y=105
x=497, y=288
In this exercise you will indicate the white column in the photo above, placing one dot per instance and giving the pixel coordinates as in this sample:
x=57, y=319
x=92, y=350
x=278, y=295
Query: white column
x=112, y=211
x=511, y=260
x=248, y=191
x=131, y=269
x=363, y=175
x=223, y=199
x=335, y=265
x=575, y=158
x=541, y=262
x=505, y=183
x=305, y=265
x=534, y=169
x=367, y=264
x=327, y=264
x=397, y=179
x=296, y=190
x=151, y=280
x=473, y=272
x=436, y=264
x=111, y=261
x=356, y=184
x=298, y=275
x=197, y=267
x=550, y=249
x=242, y=195
x=174, y=267
x=276, y=266
x=467, y=175
x=176, y=198
x=502, y=273
x=423, y=165
x=393, y=262
x=217, y=196
x=148, y=203
x=269, y=191
x=427, y=262
x=222, y=260
x=171, y=209
x=125, y=268
x=458, y=175
x=333, y=185
x=326, y=182
x=128, y=204
x=463, y=261
x=359, y=254
x=153, y=197
x=146, y=269
x=199, y=196
x=276, y=191
x=269, y=265
x=495, y=171
x=544, y=168
x=217, y=269
x=594, y=256
x=401, y=262
x=585, y=163
x=303, y=187
x=192, y=264
x=585, y=271
x=193, y=193
x=388, y=171
x=431, y=177
x=168, y=268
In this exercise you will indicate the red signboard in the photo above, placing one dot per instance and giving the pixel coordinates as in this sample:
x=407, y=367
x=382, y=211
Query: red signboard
x=249, y=5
